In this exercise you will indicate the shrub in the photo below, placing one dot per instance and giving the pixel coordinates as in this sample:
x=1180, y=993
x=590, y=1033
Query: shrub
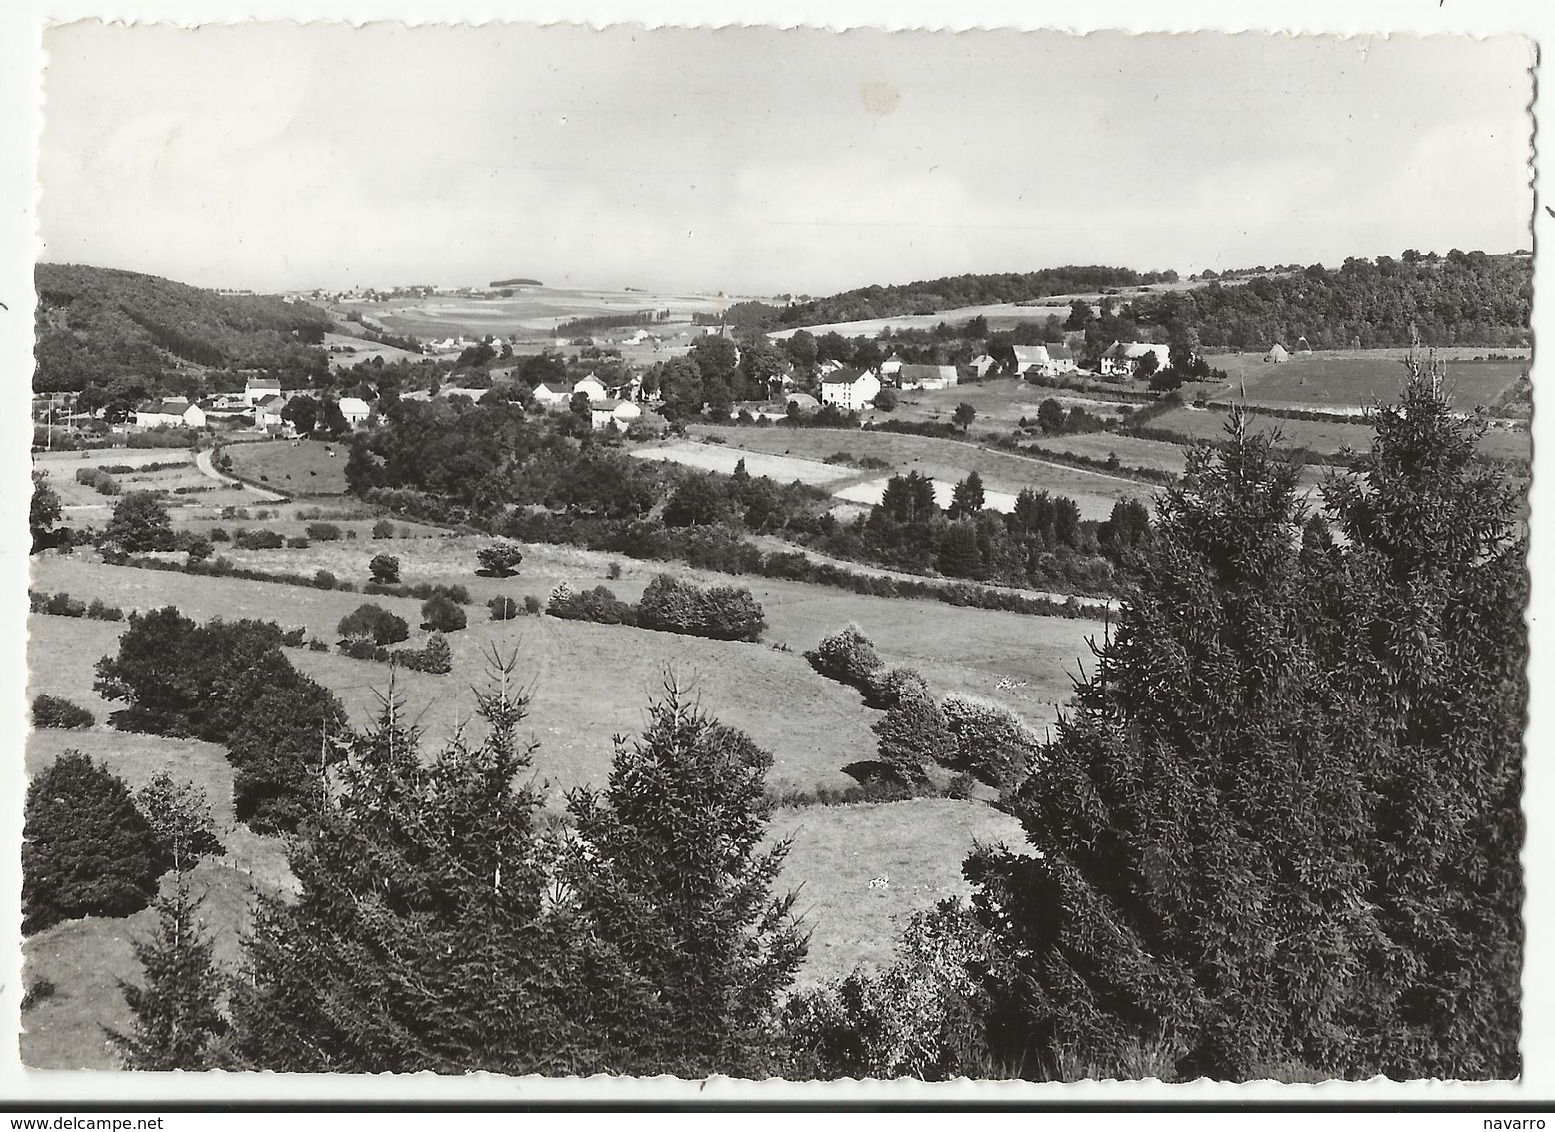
x=56, y=712
x=991, y=741
x=100, y=610
x=501, y=558
x=297, y=542
x=372, y=622
x=139, y=523
x=385, y=569
x=913, y=734
x=39, y=990
x=316, y=645
x=614, y=571
x=362, y=648
x=383, y=529
x=324, y=532
x=324, y=580
x=437, y=658
x=725, y=613
x=532, y=604
x=219, y=534
x=503, y=608
x=87, y=851
x=598, y=605
x=886, y=687
x=846, y=656
x=441, y=614
x=260, y=538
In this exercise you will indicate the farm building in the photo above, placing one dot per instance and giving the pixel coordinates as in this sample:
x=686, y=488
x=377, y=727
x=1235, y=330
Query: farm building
x=803, y=402
x=461, y=391
x=892, y=365
x=256, y=389
x=1031, y=358
x=547, y=395
x=850, y=388
x=622, y=413
x=983, y=363
x=1302, y=347
x=590, y=386
x=1277, y=354
x=355, y=410
x=267, y=413
x=1060, y=360
x=927, y=377
x=176, y=411
x=1120, y=360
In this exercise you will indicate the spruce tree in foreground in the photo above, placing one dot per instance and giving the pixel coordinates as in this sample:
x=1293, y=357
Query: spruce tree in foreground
x=422, y=937
x=178, y=1024
x=674, y=893
x=1279, y=828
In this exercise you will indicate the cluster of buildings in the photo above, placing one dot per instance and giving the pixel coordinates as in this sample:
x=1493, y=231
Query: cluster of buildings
x=606, y=406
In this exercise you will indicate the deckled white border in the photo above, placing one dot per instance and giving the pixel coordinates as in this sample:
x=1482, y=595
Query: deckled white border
x=21, y=22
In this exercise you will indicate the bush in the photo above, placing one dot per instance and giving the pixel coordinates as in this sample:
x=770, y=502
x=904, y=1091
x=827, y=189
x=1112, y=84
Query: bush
x=372, y=622
x=362, y=648
x=383, y=529
x=219, y=534
x=846, y=656
x=55, y=605
x=324, y=580
x=503, y=608
x=598, y=605
x=385, y=569
x=441, y=614
x=724, y=613
x=324, y=532
x=532, y=604
x=297, y=542
x=501, y=558
x=992, y=743
x=614, y=571
x=913, y=734
x=260, y=538
x=316, y=645
x=56, y=712
x=100, y=610
x=436, y=658
x=887, y=687
x=87, y=851
x=97, y=479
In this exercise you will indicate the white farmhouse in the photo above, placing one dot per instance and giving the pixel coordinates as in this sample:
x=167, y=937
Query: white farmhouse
x=592, y=386
x=175, y=411
x=1121, y=360
x=355, y=410
x=548, y=396
x=927, y=377
x=1029, y=358
x=849, y=388
x=258, y=388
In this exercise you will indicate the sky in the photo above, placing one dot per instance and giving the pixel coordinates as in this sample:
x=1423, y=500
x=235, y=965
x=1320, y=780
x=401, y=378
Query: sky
x=758, y=161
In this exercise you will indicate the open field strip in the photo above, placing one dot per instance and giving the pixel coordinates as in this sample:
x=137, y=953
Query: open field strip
x=715, y=458
x=916, y=846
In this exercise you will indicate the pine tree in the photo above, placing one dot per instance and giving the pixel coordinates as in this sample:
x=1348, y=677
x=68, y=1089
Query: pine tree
x=424, y=936
x=966, y=497
x=1280, y=825
x=87, y=849
x=178, y=1024
x=675, y=892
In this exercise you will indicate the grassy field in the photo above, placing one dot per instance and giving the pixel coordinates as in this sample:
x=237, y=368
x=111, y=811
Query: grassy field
x=944, y=461
x=716, y=458
x=532, y=310
x=916, y=846
x=999, y=403
x=352, y=350
x=304, y=466
x=1131, y=451
x=1343, y=379
x=1326, y=438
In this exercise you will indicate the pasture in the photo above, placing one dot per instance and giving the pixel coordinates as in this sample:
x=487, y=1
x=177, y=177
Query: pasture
x=944, y=461
x=916, y=846
x=346, y=350
x=720, y=458
x=1342, y=380
x=528, y=312
x=303, y=467
x=1131, y=451
x=1000, y=403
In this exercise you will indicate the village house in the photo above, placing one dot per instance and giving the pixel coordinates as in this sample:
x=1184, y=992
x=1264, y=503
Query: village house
x=1060, y=360
x=891, y=367
x=592, y=387
x=1029, y=358
x=267, y=415
x=256, y=389
x=927, y=377
x=548, y=396
x=1121, y=360
x=175, y=411
x=622, y=413
x=355, y=410
x=982, y=364
x=850, y=388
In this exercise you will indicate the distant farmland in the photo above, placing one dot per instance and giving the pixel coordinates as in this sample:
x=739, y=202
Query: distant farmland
x=1354, y=380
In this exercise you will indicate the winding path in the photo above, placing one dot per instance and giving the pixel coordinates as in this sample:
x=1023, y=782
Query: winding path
x=203, y=461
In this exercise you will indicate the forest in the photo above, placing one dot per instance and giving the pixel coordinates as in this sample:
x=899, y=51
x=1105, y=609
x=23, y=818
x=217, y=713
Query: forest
x=95, y=324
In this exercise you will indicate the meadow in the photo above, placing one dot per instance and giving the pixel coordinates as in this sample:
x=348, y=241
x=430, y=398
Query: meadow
x=1001, y=402
x=1344, y=380
x=1131, y=451
x=304, y=467
x=945, y=461
x=528, y=312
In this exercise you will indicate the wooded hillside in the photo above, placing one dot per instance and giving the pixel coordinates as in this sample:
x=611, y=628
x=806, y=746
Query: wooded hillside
x=95, y=324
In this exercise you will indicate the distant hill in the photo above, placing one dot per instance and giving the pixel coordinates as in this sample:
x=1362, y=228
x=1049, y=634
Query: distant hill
x=953, y=292
x=515, y=283
x=95, y=324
